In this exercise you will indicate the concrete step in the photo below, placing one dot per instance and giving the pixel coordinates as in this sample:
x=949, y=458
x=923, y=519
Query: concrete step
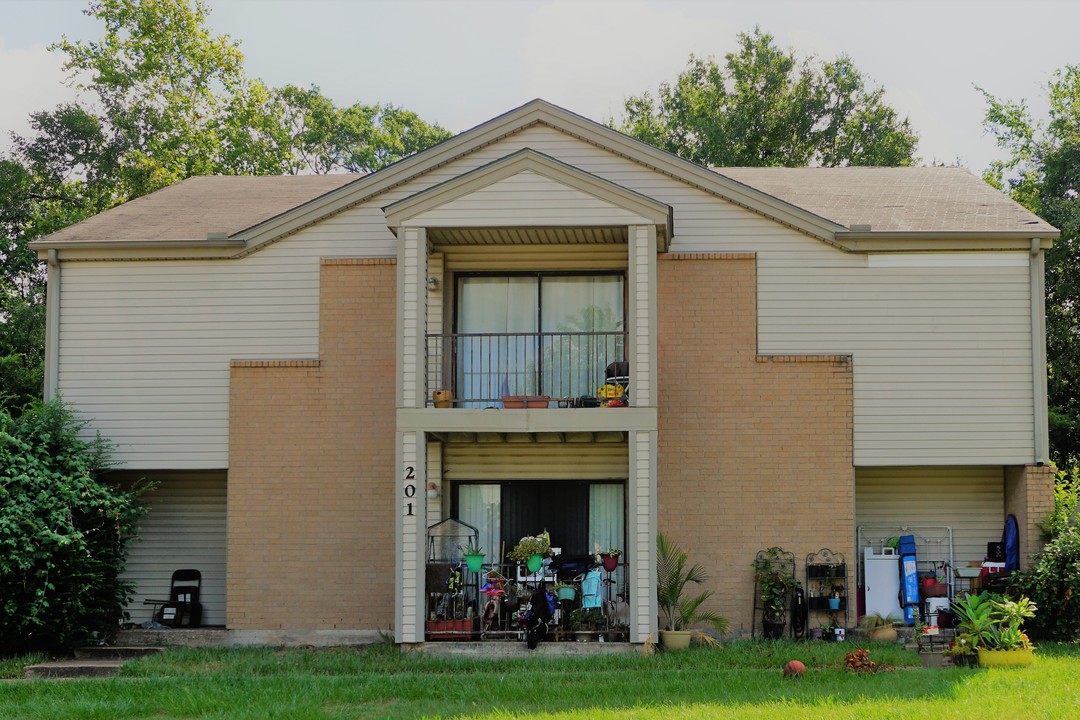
x=74, y=669
x=115, y=652
x=173, y=637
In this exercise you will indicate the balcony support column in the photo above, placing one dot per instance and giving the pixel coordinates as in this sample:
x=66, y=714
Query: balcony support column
x=411, y=465
x=641, y=314
x=641, y=506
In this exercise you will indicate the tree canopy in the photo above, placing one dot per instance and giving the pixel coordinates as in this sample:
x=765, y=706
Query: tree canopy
x=1043, y=174
x=162, y=98
x=765, y=107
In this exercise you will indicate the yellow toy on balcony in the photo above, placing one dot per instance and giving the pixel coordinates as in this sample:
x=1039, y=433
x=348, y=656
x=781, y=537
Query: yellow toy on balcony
x=611, y=395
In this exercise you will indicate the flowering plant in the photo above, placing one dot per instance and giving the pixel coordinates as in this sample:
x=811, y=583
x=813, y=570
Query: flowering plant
x=531, y=545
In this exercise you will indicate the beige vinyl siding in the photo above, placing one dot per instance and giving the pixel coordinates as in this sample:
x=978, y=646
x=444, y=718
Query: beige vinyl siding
x=970, y=500
x=184, y=529
x=535, y=461
x=524, y=199
x=942, y=355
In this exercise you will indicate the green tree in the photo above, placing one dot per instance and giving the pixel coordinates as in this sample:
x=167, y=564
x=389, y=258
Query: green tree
x=1043, y=174
x=162, y=98
x=63, y=532
x=764, y=107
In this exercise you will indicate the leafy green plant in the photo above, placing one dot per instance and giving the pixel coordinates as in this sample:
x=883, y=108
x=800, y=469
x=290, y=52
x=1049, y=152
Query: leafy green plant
x=993, y=623
x=471, y=549
x=673, y=575
x=63, y=532
x=774, y=580
x=531, y=545
x=587, y=619
x=1053, y=583
x=1066, y=503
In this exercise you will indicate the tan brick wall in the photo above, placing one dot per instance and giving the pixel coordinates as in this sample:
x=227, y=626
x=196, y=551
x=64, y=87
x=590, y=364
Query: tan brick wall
x=311, y=486
x=753, y=451
x=1029, y=495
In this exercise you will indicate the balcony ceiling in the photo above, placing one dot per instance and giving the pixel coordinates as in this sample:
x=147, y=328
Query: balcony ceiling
x=528, y=235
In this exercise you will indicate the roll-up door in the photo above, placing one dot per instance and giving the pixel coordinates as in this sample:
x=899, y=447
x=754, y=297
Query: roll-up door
x=536, y=460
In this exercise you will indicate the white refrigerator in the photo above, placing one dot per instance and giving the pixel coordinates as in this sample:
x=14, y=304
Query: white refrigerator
x=881, y=582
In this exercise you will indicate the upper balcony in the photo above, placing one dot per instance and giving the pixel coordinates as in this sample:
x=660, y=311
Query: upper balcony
x=528, y=370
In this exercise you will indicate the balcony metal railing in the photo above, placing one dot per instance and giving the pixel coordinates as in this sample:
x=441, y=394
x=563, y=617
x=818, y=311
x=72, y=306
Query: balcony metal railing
x=482, y=370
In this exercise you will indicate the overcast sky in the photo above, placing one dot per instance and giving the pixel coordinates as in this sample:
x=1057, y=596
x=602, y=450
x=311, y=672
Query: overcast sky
x=460, y=62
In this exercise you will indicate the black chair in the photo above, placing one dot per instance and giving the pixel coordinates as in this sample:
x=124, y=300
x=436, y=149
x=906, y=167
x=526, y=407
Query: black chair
x=183, y=608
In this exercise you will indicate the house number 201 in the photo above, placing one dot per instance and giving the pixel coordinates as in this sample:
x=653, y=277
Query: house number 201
x=410, y=489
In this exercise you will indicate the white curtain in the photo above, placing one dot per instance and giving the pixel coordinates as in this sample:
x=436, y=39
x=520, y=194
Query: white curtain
x=479, y=505
x=606, y=517
x=607, y=527
x=491, y=367
x=574, y=365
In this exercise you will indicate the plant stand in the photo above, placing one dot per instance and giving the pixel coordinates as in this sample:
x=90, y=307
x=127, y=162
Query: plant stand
x=782, y=561
x=826, y=575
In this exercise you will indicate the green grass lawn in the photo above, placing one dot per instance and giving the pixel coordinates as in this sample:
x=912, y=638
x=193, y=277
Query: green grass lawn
x=741, y=680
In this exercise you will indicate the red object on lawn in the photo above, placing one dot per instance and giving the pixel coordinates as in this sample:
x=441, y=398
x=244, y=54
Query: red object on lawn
x=794, y=668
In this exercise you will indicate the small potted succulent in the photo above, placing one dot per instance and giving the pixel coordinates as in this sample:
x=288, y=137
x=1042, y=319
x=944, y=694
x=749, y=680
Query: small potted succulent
x=474, y=556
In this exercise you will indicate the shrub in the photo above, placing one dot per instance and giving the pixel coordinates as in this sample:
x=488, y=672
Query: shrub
x=63, y=532
x=1066, y=500
x=1053, y=583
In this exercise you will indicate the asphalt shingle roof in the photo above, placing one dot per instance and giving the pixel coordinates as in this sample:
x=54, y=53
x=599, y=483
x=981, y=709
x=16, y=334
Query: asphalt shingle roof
x=899, y=199
x=194, y=207
x=940, y=199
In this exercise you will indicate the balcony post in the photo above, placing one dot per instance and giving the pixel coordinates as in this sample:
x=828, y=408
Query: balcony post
x=411, y=317
x=641, y=352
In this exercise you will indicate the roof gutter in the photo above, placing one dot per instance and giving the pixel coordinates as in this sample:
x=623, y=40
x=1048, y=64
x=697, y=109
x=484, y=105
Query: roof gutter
x=213, y=240
x=958, y=240
x=52, y=326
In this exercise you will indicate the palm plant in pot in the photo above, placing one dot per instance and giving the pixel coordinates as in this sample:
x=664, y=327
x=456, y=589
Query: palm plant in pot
x=879, y=628
x=775, y=581
x=673, y=575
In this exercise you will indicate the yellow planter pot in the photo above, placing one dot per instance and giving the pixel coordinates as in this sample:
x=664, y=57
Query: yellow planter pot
x=675, y=639
x=1006, y=658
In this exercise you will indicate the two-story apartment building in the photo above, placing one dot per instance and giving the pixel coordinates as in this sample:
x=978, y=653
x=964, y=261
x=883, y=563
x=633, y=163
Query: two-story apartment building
x=317, y=369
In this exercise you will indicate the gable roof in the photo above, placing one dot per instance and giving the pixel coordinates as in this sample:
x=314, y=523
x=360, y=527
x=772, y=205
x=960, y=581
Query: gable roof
x=807, y=211
x=604, y=192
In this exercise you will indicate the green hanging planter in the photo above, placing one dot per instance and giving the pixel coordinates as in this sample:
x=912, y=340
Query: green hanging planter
x=474, y=562
x=535, y=562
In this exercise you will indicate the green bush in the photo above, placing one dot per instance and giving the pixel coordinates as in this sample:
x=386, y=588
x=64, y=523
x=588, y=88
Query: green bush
x=1066, y=500
x=1053, y=583
x=63, y=532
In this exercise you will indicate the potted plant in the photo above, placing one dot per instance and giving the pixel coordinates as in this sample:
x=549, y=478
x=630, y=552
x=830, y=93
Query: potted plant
x=531, y=550
x=879, y=628
x=474, y=556
x=565, y=591
x=673, y=575
x=994, y=627
x=609, y=558
x=773, y=576
x=586, y=623
x=835, y=596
